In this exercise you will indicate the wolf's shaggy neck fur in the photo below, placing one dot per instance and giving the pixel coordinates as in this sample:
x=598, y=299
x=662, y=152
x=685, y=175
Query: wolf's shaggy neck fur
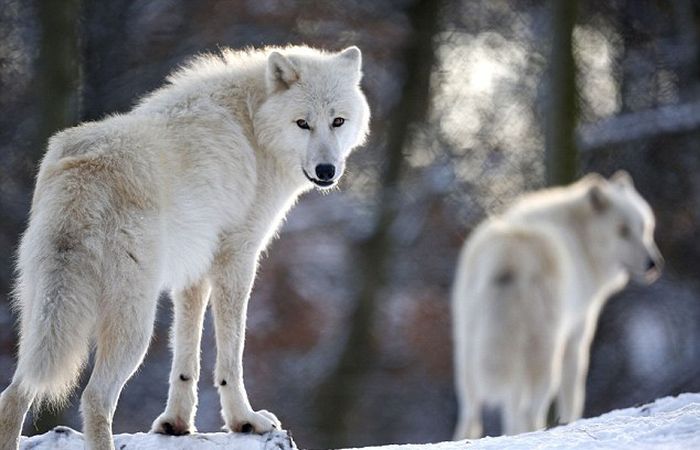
x=217, y=75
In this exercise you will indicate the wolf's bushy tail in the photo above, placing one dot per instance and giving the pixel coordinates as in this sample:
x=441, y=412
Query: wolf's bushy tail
x=56, y=298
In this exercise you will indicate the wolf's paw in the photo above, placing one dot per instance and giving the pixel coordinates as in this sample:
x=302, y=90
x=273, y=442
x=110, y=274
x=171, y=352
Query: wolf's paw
x=258, y=422
x=174, y=426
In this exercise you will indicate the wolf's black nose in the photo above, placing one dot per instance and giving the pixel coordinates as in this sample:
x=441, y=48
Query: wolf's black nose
x=325, y=172
x=651, y=264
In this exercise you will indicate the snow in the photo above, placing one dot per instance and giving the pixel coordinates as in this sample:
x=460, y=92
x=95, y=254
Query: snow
x=667, y=423
x=64, y=438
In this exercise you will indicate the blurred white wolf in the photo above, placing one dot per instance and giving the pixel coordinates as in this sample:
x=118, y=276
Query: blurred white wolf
x=181, y=193
x=528, y=292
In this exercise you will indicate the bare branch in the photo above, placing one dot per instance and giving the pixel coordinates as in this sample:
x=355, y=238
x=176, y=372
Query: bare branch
x=666, y=120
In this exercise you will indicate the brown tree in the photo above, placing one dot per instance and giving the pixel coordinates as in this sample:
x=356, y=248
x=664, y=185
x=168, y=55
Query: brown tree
x=561, y=157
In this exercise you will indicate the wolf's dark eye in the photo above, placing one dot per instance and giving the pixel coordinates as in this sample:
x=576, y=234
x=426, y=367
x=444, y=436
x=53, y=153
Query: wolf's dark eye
x=624, y=231
x=303, y=124
x=338, y=121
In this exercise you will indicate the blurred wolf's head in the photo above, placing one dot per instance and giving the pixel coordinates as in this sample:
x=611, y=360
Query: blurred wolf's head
x=622, y=225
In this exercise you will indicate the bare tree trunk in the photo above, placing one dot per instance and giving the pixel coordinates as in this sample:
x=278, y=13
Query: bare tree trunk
x=59, y=66
x=630, y=36
x=685, y=18
x=338, y=394
x=561, y=157
x=105, y=31
x=59, y=84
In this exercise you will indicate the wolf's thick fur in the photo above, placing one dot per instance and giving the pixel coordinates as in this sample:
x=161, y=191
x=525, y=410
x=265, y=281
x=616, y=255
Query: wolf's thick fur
x=181, y=193
x=529, y=288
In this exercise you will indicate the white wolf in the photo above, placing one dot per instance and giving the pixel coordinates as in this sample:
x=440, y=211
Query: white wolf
x=181, y=193
x=529, y=288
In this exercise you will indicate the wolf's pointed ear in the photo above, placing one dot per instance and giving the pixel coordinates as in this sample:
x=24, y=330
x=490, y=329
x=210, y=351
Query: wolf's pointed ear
x=598, y=198
x=622, y=178
x=352, y=58
x=593, y=178
x=281, y=73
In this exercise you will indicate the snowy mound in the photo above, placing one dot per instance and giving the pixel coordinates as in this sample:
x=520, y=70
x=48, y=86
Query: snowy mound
x=63, y=438
x=668, y=423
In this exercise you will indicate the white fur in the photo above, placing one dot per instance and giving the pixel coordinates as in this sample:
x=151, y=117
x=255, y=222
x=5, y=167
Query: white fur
x=529, y=288
x=181, y=193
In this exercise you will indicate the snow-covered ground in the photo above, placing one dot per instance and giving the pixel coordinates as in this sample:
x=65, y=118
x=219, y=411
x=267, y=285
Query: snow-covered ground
x=668, y=423
x=63, y=438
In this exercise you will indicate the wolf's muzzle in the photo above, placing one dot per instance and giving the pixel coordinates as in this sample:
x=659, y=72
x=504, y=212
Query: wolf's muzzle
x=317, y=182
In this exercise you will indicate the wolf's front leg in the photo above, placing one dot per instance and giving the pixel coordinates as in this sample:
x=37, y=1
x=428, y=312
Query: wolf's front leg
x=232, y=279
x=185, y=338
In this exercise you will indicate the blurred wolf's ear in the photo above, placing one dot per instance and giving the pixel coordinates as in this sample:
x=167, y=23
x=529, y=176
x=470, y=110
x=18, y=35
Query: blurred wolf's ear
x=352, y=58
x=353, y=55
x=281, y=73
x=622, y=178
x=598, y=198
x=595, y=185
x=593, y=178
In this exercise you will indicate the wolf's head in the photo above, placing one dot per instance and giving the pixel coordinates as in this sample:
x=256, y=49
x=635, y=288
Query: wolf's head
x=622, y=225
x=315, y=112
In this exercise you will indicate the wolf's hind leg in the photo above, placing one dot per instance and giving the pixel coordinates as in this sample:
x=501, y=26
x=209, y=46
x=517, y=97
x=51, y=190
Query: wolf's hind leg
x=469, y=424
x=14, y=404
x=123, y=335
x=535, y=414
x=185, y=339
x=510, y=415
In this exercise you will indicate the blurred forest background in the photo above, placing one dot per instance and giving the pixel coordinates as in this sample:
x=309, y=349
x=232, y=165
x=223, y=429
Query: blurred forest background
x=474, y=102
